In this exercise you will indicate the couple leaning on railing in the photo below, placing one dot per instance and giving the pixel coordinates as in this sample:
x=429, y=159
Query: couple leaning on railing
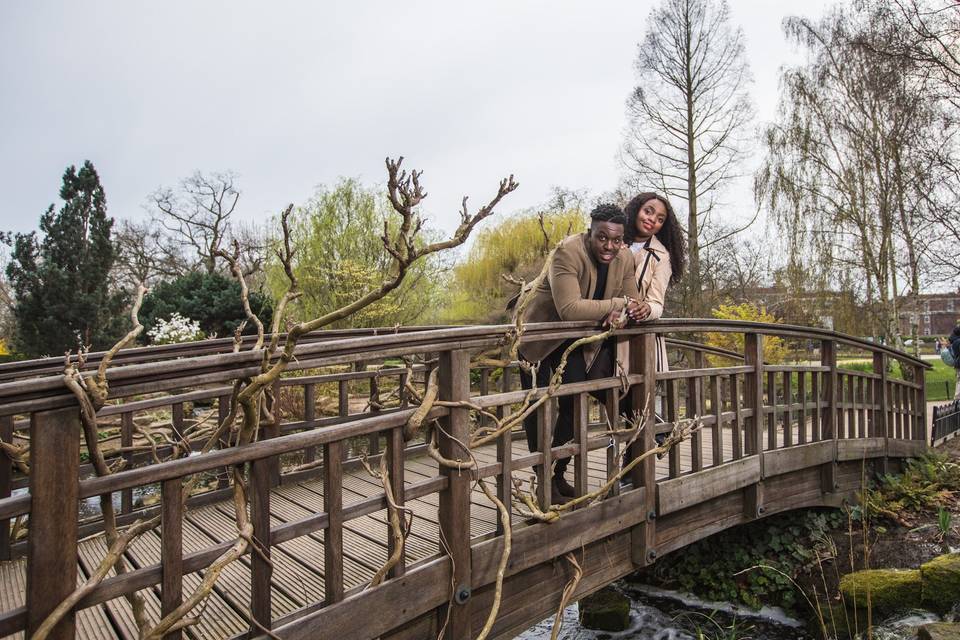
x=617, y=271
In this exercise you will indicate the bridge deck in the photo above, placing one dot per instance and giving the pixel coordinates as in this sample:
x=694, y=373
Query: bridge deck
x=298, y=564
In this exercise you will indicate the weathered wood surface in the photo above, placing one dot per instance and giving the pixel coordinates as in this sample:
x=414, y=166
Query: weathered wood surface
x=771, y=438
x=299, y=564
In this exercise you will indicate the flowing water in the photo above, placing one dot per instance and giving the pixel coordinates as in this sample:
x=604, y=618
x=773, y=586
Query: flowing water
x=657, y=614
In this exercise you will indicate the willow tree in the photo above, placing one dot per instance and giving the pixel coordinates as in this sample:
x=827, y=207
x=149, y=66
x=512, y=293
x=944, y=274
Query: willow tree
x=517, y=248
x=846, y=165
x=689, y=117
x=339, y=252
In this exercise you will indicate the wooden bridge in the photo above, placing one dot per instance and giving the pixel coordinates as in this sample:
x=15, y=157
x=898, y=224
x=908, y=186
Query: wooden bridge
x=774, y=438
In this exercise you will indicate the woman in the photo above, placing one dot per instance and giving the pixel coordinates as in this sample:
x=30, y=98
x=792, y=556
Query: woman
x=655, y=237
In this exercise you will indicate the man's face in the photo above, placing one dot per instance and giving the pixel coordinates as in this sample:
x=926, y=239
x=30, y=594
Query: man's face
x=605, y=240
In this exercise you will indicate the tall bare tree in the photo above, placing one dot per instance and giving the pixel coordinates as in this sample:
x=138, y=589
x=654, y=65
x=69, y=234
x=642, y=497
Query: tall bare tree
x=689, y=116
x=198, y=214
x=146, y=253
x=848, y=170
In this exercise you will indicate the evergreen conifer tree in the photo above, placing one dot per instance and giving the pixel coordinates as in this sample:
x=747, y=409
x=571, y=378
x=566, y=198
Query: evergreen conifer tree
x=61, y=282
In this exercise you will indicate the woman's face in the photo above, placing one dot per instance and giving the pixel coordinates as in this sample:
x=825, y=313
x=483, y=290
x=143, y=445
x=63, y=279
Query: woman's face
x=650, y=218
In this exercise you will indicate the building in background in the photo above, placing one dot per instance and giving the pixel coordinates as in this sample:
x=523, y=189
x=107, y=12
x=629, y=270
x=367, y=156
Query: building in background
x=937, y=313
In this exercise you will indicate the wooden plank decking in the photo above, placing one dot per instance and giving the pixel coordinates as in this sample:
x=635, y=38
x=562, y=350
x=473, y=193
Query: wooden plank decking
x=298, y=564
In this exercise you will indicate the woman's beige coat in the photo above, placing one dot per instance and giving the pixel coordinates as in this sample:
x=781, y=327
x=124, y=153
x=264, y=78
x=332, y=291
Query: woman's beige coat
x=652, y=284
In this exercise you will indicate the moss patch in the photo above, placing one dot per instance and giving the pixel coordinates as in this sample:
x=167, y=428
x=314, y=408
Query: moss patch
x=605, y=610
x=939, y=631
x=890, y=590
x=941, y=582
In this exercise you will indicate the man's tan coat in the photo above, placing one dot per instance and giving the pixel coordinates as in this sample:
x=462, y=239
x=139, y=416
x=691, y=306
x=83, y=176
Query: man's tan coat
x=567, y=293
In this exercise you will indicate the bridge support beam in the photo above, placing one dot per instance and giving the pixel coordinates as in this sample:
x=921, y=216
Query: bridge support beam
x=830, y=427
x=454, y=509
x=54, y=490
x=643, y=359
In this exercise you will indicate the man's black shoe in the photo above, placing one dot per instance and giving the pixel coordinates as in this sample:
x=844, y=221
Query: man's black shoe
x=563, y=487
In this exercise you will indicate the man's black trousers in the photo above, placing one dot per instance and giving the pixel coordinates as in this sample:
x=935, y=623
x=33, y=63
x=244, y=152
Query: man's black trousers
x=575, y=371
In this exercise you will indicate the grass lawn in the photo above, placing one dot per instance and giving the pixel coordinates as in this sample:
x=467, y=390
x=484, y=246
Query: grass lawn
x=940, y=381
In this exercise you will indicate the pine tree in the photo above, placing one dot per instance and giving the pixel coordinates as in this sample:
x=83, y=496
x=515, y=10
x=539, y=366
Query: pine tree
x=61, y=282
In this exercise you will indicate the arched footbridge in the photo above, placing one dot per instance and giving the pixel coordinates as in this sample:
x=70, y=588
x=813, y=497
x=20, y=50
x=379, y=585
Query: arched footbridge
x=771, y=437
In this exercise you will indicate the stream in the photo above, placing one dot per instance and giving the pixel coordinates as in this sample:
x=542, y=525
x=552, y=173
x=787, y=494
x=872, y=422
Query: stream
x=659, y=614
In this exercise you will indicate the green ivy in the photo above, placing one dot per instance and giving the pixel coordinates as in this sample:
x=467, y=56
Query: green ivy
x=724, y=567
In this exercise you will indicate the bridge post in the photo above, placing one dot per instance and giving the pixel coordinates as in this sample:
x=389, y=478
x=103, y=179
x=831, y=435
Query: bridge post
x=880, y=425
x=828, y=358
x=643, y=359
x=454, y=510
x=6, y=475
x=753, y=399
x=54, y=491
x=921, y=394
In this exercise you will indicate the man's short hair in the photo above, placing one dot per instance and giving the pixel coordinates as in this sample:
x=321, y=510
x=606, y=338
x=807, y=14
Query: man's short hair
x=608, y=212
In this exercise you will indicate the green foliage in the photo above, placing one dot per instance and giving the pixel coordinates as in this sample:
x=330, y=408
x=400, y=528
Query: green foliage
x=774, y=349
x=926, y=483
x=941, y=381
x=717, y=568
x=61, y=283
x=712, y=626
x=208, y=298
x=340, y=257
x=517, y=246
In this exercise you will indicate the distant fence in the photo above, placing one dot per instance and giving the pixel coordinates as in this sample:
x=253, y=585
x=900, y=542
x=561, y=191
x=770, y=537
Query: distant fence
x=946, y=420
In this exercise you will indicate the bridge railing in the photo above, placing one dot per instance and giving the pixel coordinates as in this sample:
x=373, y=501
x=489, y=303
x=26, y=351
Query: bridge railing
x=758, y=420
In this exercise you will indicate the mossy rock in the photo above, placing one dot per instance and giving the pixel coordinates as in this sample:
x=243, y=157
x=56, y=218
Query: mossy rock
x=605, y=610
x=890, y=590
x=939, y=631
x=941, y=582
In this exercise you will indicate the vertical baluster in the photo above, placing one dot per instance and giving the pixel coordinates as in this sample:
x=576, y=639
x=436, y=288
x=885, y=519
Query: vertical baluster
x=333, y=536
x=716, y=404
x=504, y=451
x=454, y=509
x=343, y=410
x=6, y=477
x=395, y=457
x=643, y=359
x=261, y=478
x=545, y=420
x=223, y=412
x=817, y=415
x=921, y=433
x=787, y=408
x=673, y=416
x=737, y=425
x=373, y=444
x=802, y=418
x=851, y=420
x=272, y=430
x=694, y=409
x=772, y=416
x=753, y=400
x=54, y=491
x=611, y=407
x=309, y=417
x=126, y=441
x=580, y=423
x=828, y=357
x=171, y=549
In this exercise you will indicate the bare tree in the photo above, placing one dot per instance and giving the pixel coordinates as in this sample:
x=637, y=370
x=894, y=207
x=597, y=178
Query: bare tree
x=848, y=171
x=689, y=115
x=198, y=214
x=146, y=253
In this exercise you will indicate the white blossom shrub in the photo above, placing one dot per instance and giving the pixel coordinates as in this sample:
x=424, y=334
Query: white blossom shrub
x=176, y=329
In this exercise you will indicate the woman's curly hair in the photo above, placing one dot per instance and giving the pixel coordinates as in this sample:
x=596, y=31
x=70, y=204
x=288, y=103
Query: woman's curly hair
x=671, y=235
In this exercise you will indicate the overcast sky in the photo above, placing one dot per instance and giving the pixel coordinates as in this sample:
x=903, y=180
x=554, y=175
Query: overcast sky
x=292, y=95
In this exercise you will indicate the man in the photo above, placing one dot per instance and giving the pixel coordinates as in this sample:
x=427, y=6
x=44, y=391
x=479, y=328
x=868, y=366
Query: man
x=591, y=278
